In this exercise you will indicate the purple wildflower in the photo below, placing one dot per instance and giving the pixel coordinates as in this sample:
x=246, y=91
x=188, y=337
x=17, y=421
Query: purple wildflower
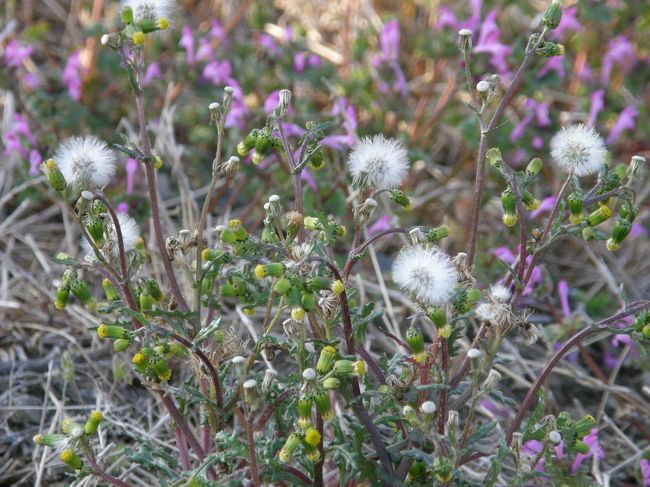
x=620, y=52
x=644, y=467
x=152, y=72
x=389, y=41
x=505, y=254
x=204, y=51
x=16, y=52
x=308, y=178
x=123, y=207
x=267, y=43
x=563, y=292
x=187, y=43
x=594, y=451
x=381, y=225
x=218, y=73
x=597, y=99
x=568, y=24
x=71, y=76
x=625, y=121
x=217, y=31
x=344, y=109
x=638, y=229
x=35, y=160
x=31, y=80
x=488, y=42
x=131, y=170
x=554, y=64
x=532, y=448
x=546, y=205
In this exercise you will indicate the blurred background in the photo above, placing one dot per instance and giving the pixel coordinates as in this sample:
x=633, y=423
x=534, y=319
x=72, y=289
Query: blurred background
x=368, y=67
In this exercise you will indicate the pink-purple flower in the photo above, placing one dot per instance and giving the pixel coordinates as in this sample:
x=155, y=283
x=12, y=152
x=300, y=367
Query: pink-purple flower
x=16, y=52
x=644, y=468
x=625, y=121
x=594, y=451
x=620, y=52
x=71, y=76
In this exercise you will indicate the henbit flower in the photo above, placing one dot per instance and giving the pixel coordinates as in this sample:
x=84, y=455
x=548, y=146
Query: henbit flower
x=488, y=42
x=427, y=273
x=130, y=236
x=379, y=163
x=382, y=224
x=152, y=72
x=389, y=41
x=131, y=169
x=568, y=23
x=187, y=43
x=546, y=205
x=553, y=64
x=597, y=100
x=16, y=52
x=71, y=76
x=625, y=121
x=86, y=162
x=563, y=292
x=35, y=160
x=578, y=150
x=149, y=9
x=218, y=73
x=594, y=450
x=620, y=52
x=644, y=468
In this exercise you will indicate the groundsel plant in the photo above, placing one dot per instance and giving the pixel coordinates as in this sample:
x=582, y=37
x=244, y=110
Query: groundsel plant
x=335, y=412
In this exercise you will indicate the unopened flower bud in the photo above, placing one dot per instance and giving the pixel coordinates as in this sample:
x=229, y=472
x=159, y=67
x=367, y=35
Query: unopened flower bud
x=588, y=234
x=312, y=437
x=415, y=340
x=326, y=359
x=62, y=296
x=534, y=166
x=598, y=216
x=530, y=202
x=293, y=441
x=438, y=233
x=90, y=428
x=54, y=175
x=323, y=405
x=493, y=156
x=465, y=36
x=308, y=302
x=410, y=414
x=575, y=202
x=553, y=15
x=509, y=204
x=248, y=143
x=127, y=15
x=400, y=198
x=331, y=383
x=304, y=411
x=71, y=459
x=550, y=49
x=282, y=286
x=337, y=287
x=621, y=230
x=111, y=331
x=437, y=315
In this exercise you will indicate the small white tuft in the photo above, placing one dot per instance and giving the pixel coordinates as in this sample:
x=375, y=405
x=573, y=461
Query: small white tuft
x=274, y=198
x=130, y=236
x=85, y=162
x=378, y=163
x=309, y=374
x=486, y=312
x=427, y=273
x=149, y=9
x=105, y=38
x=555, y=437
x=250, y=384
x=238, y=359
x=464, y=32
x=213, y=106
x=428, y=407
x=578, y=150
x=482, y=86
x=474, y=353
x=499, y=293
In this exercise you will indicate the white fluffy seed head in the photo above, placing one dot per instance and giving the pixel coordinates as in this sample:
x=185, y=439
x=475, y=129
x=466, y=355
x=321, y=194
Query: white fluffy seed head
x=499, y=293
x=426, y=273
x=428, y=407
x=578, y=150
x=555, y=437
x=378, y=163
x=149, y=9
x=474, y=353
x=130, y=237
x=85, y=162
x=486, y=312
x=309, y=374
x=482, y=86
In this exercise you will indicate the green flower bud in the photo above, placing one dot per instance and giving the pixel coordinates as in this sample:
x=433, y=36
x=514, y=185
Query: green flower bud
x=344, y=368
x=90, y=428
x=550, y=49
x=418, y=470
x=323, y=405
x=331, y=383
x=326, y=359
x=238, y=227
x=52, y=441
x=127, y=15
x=312, y=437
x=229, y=291
x=304, y=411
x=263, y=143
x=530, y=201
x=581, y=447
x=599, y=216
x=318, y=283
x=621, y=230
x=437, y=315
x=95, y=228
x=146, y=301
x=153, y=25
x=62, y=296
x=248, y=143
x=81, y=291
x=111, y=331
x=645, y=331
x=620, y=171
x=337, y=287
x=400, y=198
x=588, y=234
x=54, y=175
x=71, y=459
x=308, y=302
x=121, y=344
x=109, y=290
x=410, y=414
x=438, y=233
x=628, y=212
x=534, y=166
x=275, y=269
x=162, y=370
x=154, y=290
x=282, y=286
x=415, y=340
x=228, y=236
x=312, y=223
x=316, y=161
x=293, y=441
x=509, y=204
x=494, y=158
x=553, y=15
x=69, y=426
x=443, y=470
x=585, y=425
x=575, y=202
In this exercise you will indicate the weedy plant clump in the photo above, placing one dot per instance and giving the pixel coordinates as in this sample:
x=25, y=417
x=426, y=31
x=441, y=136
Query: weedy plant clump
x=305, y=402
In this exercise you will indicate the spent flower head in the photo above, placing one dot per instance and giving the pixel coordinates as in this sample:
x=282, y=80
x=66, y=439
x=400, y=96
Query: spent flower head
x=378, y=163
x=578, y=150
x=149, y=9
x=425, y=272
x=86, y=162
x=130, y=237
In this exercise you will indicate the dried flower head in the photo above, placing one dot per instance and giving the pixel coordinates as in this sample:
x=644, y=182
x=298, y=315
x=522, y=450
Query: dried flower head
x=578, y=150
x=378, y=163
x=86, y=162
x=499, y=293
x=149, y=9
x=130, y=237
x=425, y=272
